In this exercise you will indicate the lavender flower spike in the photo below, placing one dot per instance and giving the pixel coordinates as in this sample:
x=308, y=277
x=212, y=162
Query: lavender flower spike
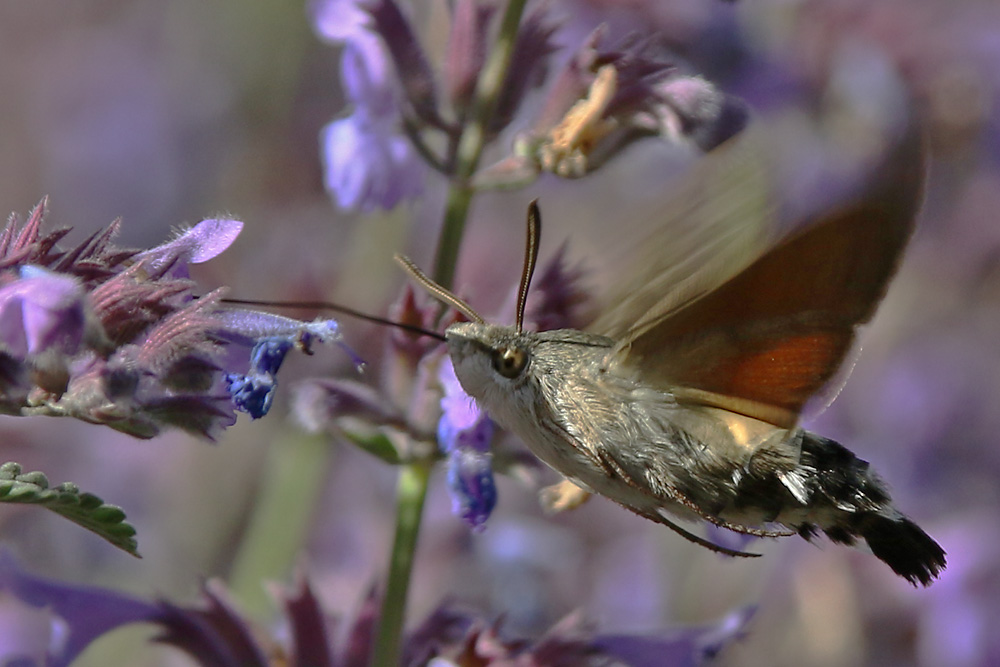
x=464, y=434
x=119, y=337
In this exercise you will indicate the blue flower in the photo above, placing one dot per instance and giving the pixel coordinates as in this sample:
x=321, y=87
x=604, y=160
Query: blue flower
x=464, y=434
x=271, y=337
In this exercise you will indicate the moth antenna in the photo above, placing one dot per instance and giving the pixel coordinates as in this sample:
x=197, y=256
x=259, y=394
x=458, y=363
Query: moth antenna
x=337, y=308
x=530, y=258
x=437, y=291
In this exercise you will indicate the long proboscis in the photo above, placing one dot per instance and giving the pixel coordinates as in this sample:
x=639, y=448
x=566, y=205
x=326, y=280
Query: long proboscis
x=337, y=308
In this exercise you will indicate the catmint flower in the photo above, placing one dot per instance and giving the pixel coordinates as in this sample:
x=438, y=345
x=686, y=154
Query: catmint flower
x=464, y=435
x=368, y=162
x=41, y=310
x=118, y=337
x=273, y=337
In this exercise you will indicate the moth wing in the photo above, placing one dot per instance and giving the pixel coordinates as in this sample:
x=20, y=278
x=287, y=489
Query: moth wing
x=718, y=219
x=767, y=339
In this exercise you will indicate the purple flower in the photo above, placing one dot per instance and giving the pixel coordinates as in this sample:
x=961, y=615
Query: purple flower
x=464, y=434
x=41, y=310
x=201, y=243
x=606, y=99
x=338, y=20
x=369, y=163
x=76, y=615
x=118, y=337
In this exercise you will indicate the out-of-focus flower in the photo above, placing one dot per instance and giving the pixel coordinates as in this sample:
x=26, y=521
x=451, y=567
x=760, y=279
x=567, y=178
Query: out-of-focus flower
x=369, y=163
x=118, y=337
x=375, y=156
x=604, y=100
x=558, y=300
x=464, y=434
x=215, y=633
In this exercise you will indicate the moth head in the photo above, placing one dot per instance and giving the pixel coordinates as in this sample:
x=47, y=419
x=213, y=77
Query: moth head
x=486, y=355
x=500, y=353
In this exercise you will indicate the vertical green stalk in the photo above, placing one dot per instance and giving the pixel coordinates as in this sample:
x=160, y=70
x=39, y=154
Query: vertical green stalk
x=471, y=143
x=413, y=477
x=410, y=493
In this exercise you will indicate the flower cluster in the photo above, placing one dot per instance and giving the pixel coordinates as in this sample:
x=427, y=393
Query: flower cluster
x=118, y=337
x=602, y=100
x=66, y=618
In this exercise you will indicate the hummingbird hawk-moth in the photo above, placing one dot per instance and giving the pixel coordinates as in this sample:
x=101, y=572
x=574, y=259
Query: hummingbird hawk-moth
x=683, y=400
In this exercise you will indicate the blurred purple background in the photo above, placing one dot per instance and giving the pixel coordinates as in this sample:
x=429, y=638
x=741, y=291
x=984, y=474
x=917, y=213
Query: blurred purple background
x=167, y=113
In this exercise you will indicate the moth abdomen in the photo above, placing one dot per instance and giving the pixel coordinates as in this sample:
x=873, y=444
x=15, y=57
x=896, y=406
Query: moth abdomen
x=834, y=491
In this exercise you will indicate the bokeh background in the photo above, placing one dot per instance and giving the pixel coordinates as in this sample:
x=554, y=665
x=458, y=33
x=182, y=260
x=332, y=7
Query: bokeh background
x=167, y=113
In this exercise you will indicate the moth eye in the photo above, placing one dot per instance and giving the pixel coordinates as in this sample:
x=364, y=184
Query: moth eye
x=510, y=361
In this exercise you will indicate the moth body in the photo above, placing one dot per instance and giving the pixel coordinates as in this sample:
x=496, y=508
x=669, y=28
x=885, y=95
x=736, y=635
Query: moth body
x=687, y=400
x=639, y=446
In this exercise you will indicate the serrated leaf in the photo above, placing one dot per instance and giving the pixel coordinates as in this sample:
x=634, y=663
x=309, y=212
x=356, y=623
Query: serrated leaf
x=66, y=500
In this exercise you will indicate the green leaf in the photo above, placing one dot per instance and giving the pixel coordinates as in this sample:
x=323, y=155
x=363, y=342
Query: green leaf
x=83, y=509
x=374, y=442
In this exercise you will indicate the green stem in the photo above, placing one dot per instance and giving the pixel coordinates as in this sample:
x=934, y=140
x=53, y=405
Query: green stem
x=413, y=477
x=473, y=140
x=411, y=491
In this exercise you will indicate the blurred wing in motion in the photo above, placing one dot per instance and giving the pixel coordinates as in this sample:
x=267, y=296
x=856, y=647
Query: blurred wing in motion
x=717, y=221
x=765, y=340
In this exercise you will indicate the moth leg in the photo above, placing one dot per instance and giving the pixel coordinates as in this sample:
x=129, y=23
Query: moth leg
x=562, y=497
x=747, y=530
x=691, y=537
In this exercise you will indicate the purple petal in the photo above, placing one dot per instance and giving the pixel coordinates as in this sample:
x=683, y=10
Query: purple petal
x=460, y=411
x=366, y=78
x=368, y=165
x=465, y=432
x=199, y=244
x=338, y=20
x=84, y=612
x=40, y=311
x=685, y=648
